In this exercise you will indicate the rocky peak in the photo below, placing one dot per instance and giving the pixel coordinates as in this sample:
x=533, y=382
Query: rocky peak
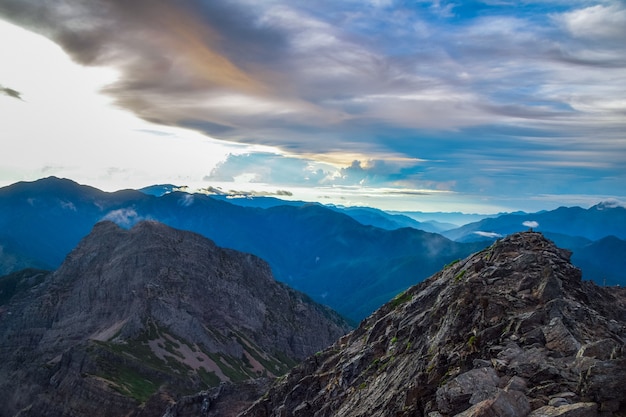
x=146, y=315
x=509, y=331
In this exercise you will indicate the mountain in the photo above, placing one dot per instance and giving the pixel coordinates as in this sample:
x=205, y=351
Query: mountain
x=511, y=331
x=263, y=202
x=597, y=222
x=452, y=219
x=135, y=319
x=365, y=215
x=604, y=260
x=159, y=190
x=336, y=260
x=42, y=221
x=596, y=236
x=379, y=218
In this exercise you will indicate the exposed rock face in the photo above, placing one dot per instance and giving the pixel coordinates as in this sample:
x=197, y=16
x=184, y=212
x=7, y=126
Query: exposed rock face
x=510, y=331
x=143, y=316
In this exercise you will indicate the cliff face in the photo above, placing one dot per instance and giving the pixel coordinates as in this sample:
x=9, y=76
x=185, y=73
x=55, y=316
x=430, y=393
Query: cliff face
x=510, y=331
x=135, y=319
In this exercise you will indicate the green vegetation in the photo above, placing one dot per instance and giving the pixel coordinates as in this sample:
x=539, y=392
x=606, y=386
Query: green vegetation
x=209, y=378
x=127, y=380
x=233, y=368
x=278, y=364
x=471, y=341
x=137, y=372
x=460, y=275
x=401, y=299
x=456, y=261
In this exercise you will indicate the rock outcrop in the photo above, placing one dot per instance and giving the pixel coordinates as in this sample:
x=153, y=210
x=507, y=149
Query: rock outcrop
x=511, y=331
x=136, y=320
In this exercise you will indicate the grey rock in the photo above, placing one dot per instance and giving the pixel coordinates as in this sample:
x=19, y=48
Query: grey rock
x=498, y=340
x=557, y=402
x=602, y=349
x=570, y=410
x=516, y=383
x=468, y=388
x=559, y=338
x=605, y=381
x=504, y=404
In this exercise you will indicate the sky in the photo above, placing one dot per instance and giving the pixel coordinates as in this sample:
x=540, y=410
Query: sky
x=473, y=106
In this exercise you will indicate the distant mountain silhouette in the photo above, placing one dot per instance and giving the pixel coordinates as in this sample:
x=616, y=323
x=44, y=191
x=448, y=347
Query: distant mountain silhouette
x=603, y=261
x=596, y=236
x=336, y=260
x=365, y=215
x=594, y=223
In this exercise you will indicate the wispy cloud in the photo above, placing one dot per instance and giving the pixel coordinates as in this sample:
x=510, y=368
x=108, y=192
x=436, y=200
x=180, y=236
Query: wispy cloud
x=491, y=235
x=124, y=217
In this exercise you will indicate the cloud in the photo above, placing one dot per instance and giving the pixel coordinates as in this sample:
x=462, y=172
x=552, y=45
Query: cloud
x=124, y=217
x=269, y=168
x=530, y=224
x=610, y=203
x=599, y=21
x=186, y=200
x=67, y=205
x=491, y=235
x=264, y=167
x=477, y=96
x=254, y=193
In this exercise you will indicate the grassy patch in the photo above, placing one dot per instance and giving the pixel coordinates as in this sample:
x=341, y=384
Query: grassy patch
x=209, y=378
x=471, y=341
x=128, y=381
x=279, y=364
x=456, y=261
x=401, y=299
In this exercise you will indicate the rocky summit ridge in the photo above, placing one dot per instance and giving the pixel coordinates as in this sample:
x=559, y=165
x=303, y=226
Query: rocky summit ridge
x=135, y=322
x=511, y=331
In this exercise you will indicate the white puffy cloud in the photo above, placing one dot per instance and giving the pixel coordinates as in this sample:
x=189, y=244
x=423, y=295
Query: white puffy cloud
x=530, y=224
x=598, y=21
x=124, y=217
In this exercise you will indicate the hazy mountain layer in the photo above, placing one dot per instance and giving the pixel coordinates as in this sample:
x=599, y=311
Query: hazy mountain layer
x=595, y=223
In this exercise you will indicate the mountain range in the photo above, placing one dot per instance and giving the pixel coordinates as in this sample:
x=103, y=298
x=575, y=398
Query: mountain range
x=144, y=316
x=596, y=236
x=151, y=321
x=326, y=254
x=351, y=259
